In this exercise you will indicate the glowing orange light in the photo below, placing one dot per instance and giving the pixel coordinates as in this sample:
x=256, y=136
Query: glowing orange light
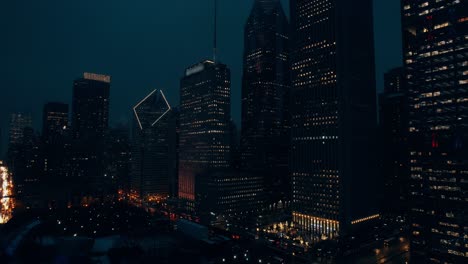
x=6, y=191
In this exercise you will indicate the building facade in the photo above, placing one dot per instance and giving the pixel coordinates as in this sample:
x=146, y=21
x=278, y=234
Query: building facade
x=90, y=107
x=90, y=120
x=230, y=196
x=54, y=120
x=333, y=120
x=27, y=163
x=394, y=139
x=204, y=128
x=118, y=157
x=18, y=122
x=23, y=159
x=56, y=145
x=265, y=91
x=151, y=164
x=435, y=46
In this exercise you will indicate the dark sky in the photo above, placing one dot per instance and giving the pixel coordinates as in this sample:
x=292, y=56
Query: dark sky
x=143, y=44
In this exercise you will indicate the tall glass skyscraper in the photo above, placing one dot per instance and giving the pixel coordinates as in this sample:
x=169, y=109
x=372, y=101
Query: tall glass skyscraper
x=56, y=152
x=22, y=149
x=333, y=163
x=204, y=135
x=435, y=36
x=90, y=107
x=90, y=121
x=18, y=122
x=265, y=90
x=151, y=167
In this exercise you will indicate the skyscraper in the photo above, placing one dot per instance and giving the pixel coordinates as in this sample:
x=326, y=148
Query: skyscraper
x=54, y=120
x=90, y=117
x=394, y=135
x=27, y=168
x=22, y=149
x=56, y=153
x=152, y=167
x=90, y=108
x=18, y=122
x=333, y=116
x=118, y=158
x=205, y=112
x=435, y=52
x=265, y=90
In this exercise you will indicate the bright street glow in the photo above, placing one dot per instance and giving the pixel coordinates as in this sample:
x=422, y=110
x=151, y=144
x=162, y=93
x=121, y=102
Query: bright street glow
x=6, y=191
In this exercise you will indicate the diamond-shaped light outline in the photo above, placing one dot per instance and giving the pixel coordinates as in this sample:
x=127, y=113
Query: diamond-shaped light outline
x=144, y=99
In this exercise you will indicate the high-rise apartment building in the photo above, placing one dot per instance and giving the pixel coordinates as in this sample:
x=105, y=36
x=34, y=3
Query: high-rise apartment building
x=27, y=164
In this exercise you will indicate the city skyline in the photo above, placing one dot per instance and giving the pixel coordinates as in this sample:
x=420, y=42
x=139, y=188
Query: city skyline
x=129, y=51
x=261, y=131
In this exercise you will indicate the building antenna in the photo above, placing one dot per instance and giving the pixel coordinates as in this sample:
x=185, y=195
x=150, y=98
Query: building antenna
x=215, y=30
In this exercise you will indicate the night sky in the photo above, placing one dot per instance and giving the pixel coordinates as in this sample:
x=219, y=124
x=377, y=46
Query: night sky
x=143, y=45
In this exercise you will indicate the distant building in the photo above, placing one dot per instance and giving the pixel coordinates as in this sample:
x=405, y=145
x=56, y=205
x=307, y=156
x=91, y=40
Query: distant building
x=90, y=108
x=56, y=153
x=394, y=139
x=90, y=118
x=118, y=158
x=152, y=168
x=18, y=122
x=26, y=163
x=333, y=156
x=24, y=159
x=265, y=97
x=435, y=52
x=205, y=112
x=54, y=120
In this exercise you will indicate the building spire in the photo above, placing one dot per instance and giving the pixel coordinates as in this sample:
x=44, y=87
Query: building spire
x=215, y=30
